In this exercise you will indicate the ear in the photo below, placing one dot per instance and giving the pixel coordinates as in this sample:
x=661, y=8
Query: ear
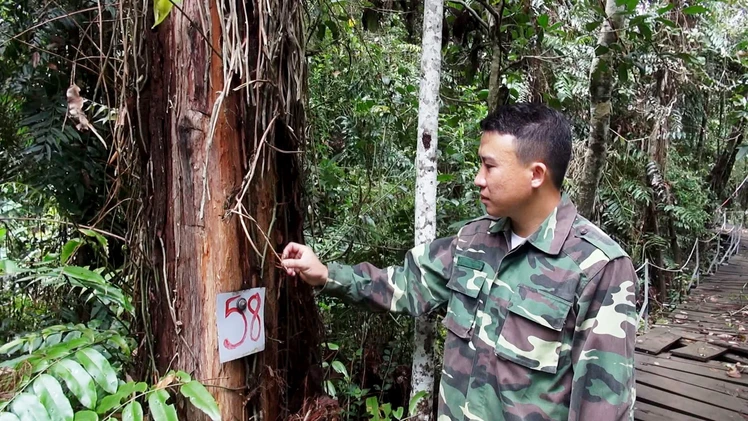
x=539, y=173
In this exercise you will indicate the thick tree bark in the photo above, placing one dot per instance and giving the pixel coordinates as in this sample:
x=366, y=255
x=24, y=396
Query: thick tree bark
x=425, y=218
x=601, y=89
x=222, y=199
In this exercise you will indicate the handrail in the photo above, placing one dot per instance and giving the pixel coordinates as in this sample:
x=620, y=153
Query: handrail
x=735, y=234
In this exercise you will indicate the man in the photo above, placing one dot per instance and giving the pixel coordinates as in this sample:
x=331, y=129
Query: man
x=540, y=303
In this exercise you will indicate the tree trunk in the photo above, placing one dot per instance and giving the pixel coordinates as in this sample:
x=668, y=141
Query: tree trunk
x=425, y=218
x=719, y=176
x=222, y=199
x=601, y=89
x=497, y=92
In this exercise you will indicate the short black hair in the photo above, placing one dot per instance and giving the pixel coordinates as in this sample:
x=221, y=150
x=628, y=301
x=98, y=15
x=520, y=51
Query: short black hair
x=543, y=134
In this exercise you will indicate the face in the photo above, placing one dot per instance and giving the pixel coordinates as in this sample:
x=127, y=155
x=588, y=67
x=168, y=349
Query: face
x=506, y=184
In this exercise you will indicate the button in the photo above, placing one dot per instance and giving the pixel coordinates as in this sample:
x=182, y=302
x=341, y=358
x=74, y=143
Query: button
x=583, y=231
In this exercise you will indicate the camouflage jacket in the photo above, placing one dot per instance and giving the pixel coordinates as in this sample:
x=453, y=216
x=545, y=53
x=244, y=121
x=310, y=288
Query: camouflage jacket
x=542, y=332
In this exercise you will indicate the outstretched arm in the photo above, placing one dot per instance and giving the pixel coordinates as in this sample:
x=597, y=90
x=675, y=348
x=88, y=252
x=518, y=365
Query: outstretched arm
x=415, y=288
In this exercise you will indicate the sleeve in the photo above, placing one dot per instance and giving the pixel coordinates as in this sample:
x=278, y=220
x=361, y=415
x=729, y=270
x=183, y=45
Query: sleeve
x=416, y=288
x=603, y=386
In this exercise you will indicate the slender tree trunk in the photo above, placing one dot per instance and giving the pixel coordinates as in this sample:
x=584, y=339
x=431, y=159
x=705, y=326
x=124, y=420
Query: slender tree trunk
x=719, y=176
x=222, y=200
x=601, y=88
x=702, y=131
x=425, y=219
x=497, y=92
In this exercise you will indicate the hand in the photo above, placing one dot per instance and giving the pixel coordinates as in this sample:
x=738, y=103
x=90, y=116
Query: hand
x=301, y=260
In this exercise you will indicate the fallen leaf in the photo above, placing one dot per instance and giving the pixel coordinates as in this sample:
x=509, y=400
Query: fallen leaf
x=734, y=372
x=166, y=381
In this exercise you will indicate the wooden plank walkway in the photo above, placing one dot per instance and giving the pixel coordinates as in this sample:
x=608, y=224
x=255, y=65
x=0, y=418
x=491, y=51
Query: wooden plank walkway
x=694, y=365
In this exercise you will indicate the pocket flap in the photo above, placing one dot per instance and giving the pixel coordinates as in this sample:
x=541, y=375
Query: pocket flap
x=468, y=277
x=540, y=307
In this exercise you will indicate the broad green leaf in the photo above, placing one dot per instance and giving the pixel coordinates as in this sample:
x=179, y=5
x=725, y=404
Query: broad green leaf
x=83, y=274
x=741, y=152
x=69, y=249
x=3, y=232
x=28, y=408
x=372, y=407
x=332, y=346
x=159, y=408
x=9, y=267
x=72, y=335
x=100, y=238
x=543, y=20
x=413, y=405
x=78, y=381
x=133, y=412
x=201, y=398
x=330, y=389
x=591, y=26
x=8, y=416
x=398, y=413
x=340, y=368
x=183, y=376
x=112, y=401
x=63, y=349
x=50, y=393
x=86, y=416
x=12, y=346
x=52, y=340
x=161, y=9
x=694, y=10
x=99, y=368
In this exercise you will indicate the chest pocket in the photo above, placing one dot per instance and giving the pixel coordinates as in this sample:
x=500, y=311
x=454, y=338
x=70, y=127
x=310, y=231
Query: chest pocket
x=532, y=334
x=466, y=283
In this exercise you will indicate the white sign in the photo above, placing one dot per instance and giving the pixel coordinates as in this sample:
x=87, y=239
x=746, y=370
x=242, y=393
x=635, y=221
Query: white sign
x=241, y=323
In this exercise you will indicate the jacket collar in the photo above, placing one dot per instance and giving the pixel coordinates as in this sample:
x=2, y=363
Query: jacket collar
x=550, y=236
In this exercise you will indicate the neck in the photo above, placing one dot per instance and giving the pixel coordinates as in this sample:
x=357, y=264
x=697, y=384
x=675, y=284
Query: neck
x=534, y=213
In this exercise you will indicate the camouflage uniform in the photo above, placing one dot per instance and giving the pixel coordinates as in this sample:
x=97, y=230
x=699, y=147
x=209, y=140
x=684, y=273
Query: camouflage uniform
x=543, y=332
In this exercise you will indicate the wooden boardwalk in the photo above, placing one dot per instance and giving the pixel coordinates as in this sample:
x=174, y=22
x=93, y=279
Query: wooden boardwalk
x=694, y=365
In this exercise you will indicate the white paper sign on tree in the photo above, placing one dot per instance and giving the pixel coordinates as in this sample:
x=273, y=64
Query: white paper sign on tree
x=241, y=323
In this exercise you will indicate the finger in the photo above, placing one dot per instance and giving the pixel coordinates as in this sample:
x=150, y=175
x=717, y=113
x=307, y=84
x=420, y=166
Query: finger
x=292, y=264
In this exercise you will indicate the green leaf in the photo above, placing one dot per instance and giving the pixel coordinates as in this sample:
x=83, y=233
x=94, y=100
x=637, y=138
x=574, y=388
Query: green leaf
x=161, y=9
x=86, y=416
x=9, y=267
x=741, y=152
x=398, y=413
x=158, y=407
x=201, y=398
x=340, y=368
x=125, y=390
x=694, y=10
x=591, y=26
x=372, y=407
x=78, y=381
x=601, y=50
x=99, y=368
x=83, y=274
x=665, y=9
x=413, y=406
x=99, y=238
x=183, y=376
x=7, y=416
x=28, y=408
x=332, y=346
x=623, y=72
x=543, y=21
x=50, y=393
x=330, y=389
x=133, y=412
x=12, y=346
x=69, y=249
